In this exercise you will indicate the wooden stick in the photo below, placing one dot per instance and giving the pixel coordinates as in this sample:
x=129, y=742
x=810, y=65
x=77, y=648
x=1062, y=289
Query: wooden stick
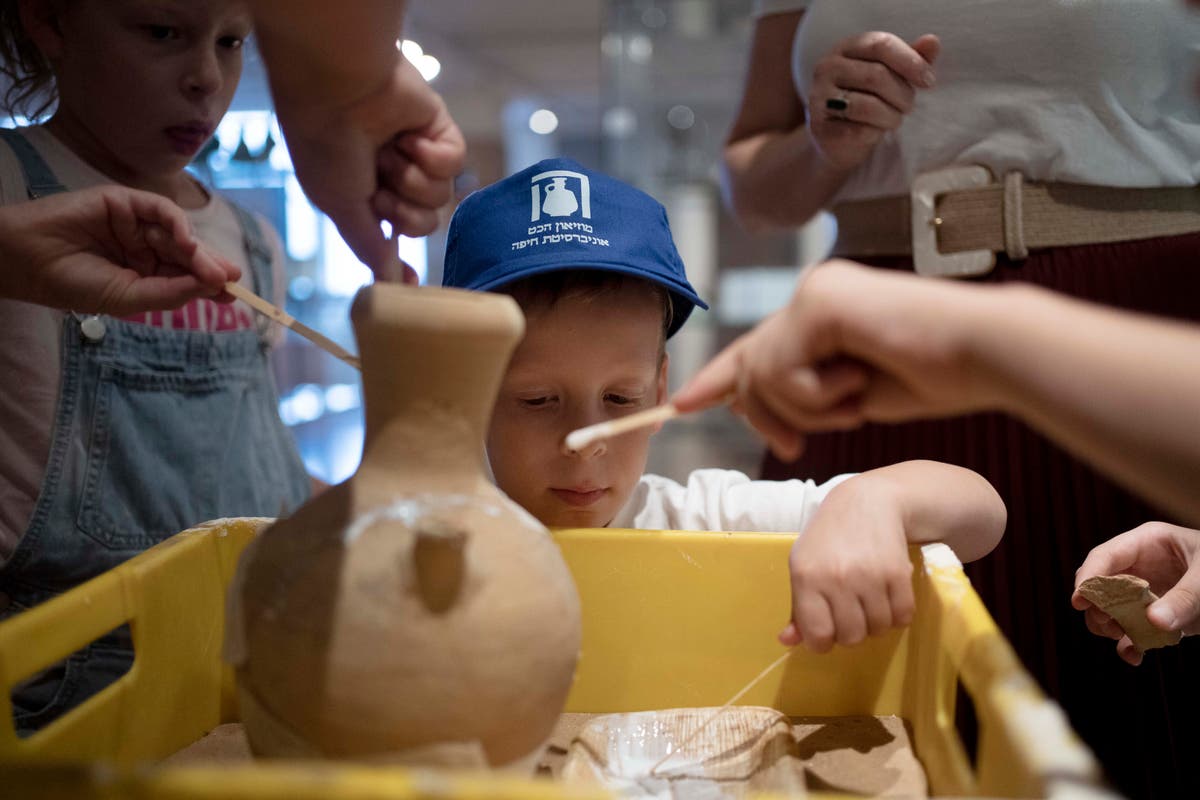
x=718, y=712
x=288, y=321
x=581, y=438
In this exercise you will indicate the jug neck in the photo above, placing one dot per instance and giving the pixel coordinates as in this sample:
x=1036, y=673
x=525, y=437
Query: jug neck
x=432, y=362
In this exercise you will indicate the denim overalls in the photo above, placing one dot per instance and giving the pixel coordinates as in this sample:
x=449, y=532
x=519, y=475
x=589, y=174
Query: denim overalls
x=155, y=431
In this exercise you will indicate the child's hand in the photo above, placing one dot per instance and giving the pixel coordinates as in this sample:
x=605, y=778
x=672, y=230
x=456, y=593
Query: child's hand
x=850, y=570
x=1166, y=557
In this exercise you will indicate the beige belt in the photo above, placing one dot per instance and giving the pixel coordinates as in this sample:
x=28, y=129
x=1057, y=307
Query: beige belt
x=956, y=219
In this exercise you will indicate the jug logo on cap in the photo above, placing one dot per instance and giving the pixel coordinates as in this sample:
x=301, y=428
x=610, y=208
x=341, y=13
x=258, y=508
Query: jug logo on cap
x=552, y=196
x=557, y=196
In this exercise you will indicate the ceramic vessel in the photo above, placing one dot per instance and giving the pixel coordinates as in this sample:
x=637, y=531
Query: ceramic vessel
x=412, y=613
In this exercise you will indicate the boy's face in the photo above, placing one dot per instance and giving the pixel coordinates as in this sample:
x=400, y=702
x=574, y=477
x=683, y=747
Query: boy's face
x=582, y=361
x=142, y=83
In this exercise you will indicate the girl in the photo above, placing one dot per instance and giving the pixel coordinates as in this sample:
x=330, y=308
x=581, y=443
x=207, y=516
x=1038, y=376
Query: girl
x=118, y=433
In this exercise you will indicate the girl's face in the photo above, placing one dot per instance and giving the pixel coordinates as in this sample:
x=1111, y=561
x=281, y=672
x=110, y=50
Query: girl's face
x=582, y=361
x=142, y=84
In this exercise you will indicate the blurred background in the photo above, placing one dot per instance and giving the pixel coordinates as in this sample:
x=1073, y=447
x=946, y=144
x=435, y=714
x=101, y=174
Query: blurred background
x=641, y=89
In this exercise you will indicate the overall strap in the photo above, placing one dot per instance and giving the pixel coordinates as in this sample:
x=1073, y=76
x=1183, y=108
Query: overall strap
x=258, y=254
x=40, y=180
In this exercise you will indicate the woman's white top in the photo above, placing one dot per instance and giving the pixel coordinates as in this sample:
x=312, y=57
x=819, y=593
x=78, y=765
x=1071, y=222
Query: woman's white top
x=1103, y=92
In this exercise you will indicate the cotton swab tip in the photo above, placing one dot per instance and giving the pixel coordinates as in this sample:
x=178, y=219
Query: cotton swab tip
x=577, y=440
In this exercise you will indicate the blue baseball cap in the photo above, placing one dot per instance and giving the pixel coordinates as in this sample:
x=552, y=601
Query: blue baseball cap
x=559, y=215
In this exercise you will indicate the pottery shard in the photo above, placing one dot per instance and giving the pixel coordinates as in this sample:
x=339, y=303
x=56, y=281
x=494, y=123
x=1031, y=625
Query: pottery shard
x=1125, y=598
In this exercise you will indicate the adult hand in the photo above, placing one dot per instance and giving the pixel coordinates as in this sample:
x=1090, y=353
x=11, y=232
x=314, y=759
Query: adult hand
x=388, y=155
x=1166, y=556
x=862, y=89
x=106, y=250
x=854, y=344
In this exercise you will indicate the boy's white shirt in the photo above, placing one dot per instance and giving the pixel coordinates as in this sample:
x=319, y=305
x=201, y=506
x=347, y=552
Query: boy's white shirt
x=723, y=500
x=31, y=357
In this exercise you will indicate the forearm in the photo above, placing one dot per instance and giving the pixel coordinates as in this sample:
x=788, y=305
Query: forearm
x=938, y=502
x=13, y=284
x=777, y=179
x=329, y=59
x=1119, y=390
x=773, y=176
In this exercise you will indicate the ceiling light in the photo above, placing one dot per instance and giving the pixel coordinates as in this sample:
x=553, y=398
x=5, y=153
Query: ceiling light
x=639, y=49
x=654, y=17
x=681, y=117
x=611, y=45
x=619, y=122
x=412, y=51
x=428, y=66
x=543, y=121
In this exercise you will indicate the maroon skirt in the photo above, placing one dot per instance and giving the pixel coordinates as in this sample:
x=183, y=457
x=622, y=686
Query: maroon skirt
x=1142, y=723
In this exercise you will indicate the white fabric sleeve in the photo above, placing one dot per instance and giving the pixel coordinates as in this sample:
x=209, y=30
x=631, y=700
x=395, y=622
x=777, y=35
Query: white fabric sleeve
x=764, y=8
x=723, y=500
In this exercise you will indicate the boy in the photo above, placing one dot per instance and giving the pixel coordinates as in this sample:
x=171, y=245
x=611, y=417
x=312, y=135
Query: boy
x=592, y=264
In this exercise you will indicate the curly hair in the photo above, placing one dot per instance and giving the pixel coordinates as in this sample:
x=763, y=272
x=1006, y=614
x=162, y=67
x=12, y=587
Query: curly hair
x=31, y=91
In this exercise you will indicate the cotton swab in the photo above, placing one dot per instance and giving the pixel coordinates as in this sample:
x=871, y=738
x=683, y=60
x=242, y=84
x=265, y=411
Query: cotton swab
x=287, y=320
x=581, y=438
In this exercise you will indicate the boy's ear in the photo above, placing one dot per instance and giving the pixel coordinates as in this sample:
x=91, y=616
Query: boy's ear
x=40, y=20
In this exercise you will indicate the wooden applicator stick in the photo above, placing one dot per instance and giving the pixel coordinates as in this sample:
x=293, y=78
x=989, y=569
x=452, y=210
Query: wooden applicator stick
x=578, y=439
x=288, y=321
x=738, y=696
x=581, y=438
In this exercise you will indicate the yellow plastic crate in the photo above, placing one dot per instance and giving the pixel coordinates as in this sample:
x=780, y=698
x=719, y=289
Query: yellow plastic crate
x=670, y=619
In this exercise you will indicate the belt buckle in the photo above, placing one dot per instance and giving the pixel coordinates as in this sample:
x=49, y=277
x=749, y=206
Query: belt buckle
x=926, y=188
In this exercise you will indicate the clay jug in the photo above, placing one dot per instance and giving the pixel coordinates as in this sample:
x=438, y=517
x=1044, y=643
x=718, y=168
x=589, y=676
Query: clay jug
x=412, y=611
x=560, y=201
